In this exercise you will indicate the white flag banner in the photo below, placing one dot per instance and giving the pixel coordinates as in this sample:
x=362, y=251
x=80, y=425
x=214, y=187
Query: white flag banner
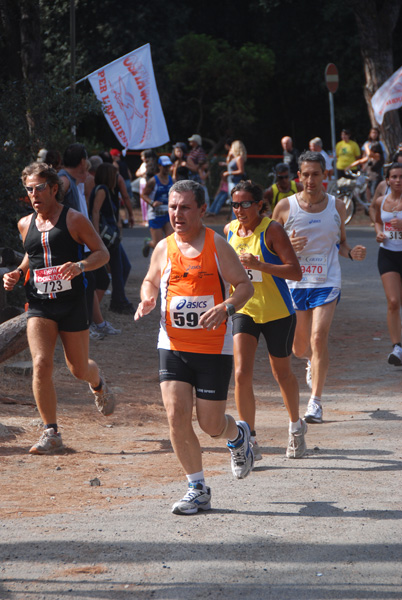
x=388, y=96
x=127, y=89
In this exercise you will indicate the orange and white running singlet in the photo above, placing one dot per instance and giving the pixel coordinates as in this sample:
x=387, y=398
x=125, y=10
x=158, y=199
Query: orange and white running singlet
x=190, y=287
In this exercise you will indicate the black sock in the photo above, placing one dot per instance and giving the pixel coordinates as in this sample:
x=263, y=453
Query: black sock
x=397, y=344
x=54, y=425
x=253, y=433
x=98, y=387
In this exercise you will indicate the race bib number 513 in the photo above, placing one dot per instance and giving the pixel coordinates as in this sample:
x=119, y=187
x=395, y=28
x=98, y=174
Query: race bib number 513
x=48, y=281
x=392, y=233
x=186, y=311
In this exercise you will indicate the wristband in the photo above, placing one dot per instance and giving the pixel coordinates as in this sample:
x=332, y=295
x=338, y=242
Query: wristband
x=350, y=254
x=21, y=272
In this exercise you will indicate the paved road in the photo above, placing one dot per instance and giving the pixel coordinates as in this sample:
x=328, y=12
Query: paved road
x=328, y=526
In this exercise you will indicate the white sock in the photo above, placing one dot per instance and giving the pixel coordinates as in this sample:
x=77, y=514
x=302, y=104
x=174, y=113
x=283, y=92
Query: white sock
x=101, y=324
x=196, y=478
x=293, y=427
x=316, y=399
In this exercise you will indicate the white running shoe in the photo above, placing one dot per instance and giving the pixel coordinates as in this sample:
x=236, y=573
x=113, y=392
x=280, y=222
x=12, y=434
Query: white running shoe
x=308, y=375
x=297, y=444
x=256, y=448
x=197, y=498
x=313, y=412
x=242, y=459
x=48, y=442
x=395, y=358
x=107, y=329
x=104, y=399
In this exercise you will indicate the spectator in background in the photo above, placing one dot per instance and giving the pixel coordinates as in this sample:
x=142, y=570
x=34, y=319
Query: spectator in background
x=347, y=151
x=101, y=205
x=196, y=155
x=147, y=169
x=283, y=187
x=123, y=170
x=156, y=195
x=236, y=169
x=290, y=155
x=178, y=158
x=53, y=159
x=374, y=137
x=315, y=145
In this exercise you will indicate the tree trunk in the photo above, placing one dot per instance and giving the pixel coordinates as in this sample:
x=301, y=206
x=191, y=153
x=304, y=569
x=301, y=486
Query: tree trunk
x=13, y=336
x=32, y=64
x=376, y=23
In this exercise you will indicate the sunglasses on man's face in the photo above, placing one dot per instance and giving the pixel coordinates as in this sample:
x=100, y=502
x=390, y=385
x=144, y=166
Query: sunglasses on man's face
x=283, y=177
x=39, y=188
x=246, y=204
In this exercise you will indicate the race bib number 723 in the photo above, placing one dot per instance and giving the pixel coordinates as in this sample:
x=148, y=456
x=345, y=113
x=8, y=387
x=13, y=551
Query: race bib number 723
x=48, y=281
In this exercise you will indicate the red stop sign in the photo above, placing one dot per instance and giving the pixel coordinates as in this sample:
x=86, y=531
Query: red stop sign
x=331, y=77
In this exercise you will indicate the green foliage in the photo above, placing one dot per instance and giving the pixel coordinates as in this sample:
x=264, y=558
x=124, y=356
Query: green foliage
x=213, y=86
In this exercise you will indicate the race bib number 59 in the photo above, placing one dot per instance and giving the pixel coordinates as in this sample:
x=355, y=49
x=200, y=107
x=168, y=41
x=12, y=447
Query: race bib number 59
x=48, y=281
x=186, y=311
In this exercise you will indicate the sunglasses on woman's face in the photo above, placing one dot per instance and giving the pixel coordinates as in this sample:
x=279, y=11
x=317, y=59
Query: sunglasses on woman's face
x=246, y=204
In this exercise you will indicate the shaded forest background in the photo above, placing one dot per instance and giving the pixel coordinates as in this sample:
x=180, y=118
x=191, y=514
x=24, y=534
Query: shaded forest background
x=252, y=70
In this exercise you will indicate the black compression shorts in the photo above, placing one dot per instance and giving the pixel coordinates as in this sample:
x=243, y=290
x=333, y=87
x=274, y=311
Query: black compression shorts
x=208, y=373
x=389, y=261
x=278, y=334
x=70, y=315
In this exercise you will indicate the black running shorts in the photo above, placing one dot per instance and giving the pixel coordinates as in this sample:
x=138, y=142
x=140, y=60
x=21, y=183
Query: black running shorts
x=208, y=373
x=278, y=334
x=389, y=261
x=70, y=315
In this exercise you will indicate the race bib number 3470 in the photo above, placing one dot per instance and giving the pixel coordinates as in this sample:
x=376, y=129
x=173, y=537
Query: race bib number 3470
x=48, y=281
x=186, y=311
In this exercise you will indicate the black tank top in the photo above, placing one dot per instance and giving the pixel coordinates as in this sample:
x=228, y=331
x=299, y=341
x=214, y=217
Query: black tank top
x=52, y=248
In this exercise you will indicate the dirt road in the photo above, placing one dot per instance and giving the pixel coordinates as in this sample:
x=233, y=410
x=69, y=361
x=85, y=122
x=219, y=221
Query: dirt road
x=326, y=526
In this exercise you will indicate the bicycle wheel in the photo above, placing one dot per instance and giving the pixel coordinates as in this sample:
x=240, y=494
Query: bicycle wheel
x=350, y=207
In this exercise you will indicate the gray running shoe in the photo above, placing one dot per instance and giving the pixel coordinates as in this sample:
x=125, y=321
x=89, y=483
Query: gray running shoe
x=196, y=499
x=308, y=375
x=256, y=449
x=104, y=399
x=297, y=444
x=107, y=329
x=313, y=412
x=395, y=358
x=48, y=442
x=242, y=453
x=94, y=334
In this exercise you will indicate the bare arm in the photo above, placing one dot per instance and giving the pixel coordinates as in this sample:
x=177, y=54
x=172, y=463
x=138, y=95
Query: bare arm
x=99, y=199
x=357, y=252
x=150, y=285
x=83, y=232
x=380, y=191
x=378, y=224
x=147, y=191
x=126, y=199
x=277, y=240
x=234, y=273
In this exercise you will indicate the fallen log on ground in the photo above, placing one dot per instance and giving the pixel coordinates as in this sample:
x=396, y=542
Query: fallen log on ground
x=13, y=336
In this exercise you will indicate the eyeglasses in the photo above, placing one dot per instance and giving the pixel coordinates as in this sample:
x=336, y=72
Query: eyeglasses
x=39, y=188
x=246, y=204
x=282, y=176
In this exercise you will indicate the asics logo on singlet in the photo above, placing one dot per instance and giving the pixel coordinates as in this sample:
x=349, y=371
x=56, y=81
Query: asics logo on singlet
x=184, y=303
x=314, y=221
x=192, y=267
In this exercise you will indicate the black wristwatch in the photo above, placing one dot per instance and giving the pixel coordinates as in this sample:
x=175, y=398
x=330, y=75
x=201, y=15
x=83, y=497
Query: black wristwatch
x=230, y=309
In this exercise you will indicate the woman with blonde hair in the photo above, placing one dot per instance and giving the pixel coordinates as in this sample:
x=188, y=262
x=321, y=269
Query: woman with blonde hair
x=236, y=166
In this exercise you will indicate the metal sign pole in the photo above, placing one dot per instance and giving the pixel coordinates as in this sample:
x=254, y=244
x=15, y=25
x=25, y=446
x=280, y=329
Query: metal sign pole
x=333, y=138
x=72, y=66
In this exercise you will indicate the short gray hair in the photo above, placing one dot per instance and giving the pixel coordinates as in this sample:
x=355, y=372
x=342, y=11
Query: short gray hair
x=316, y=141
x=188, y=185
x=309, y=156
